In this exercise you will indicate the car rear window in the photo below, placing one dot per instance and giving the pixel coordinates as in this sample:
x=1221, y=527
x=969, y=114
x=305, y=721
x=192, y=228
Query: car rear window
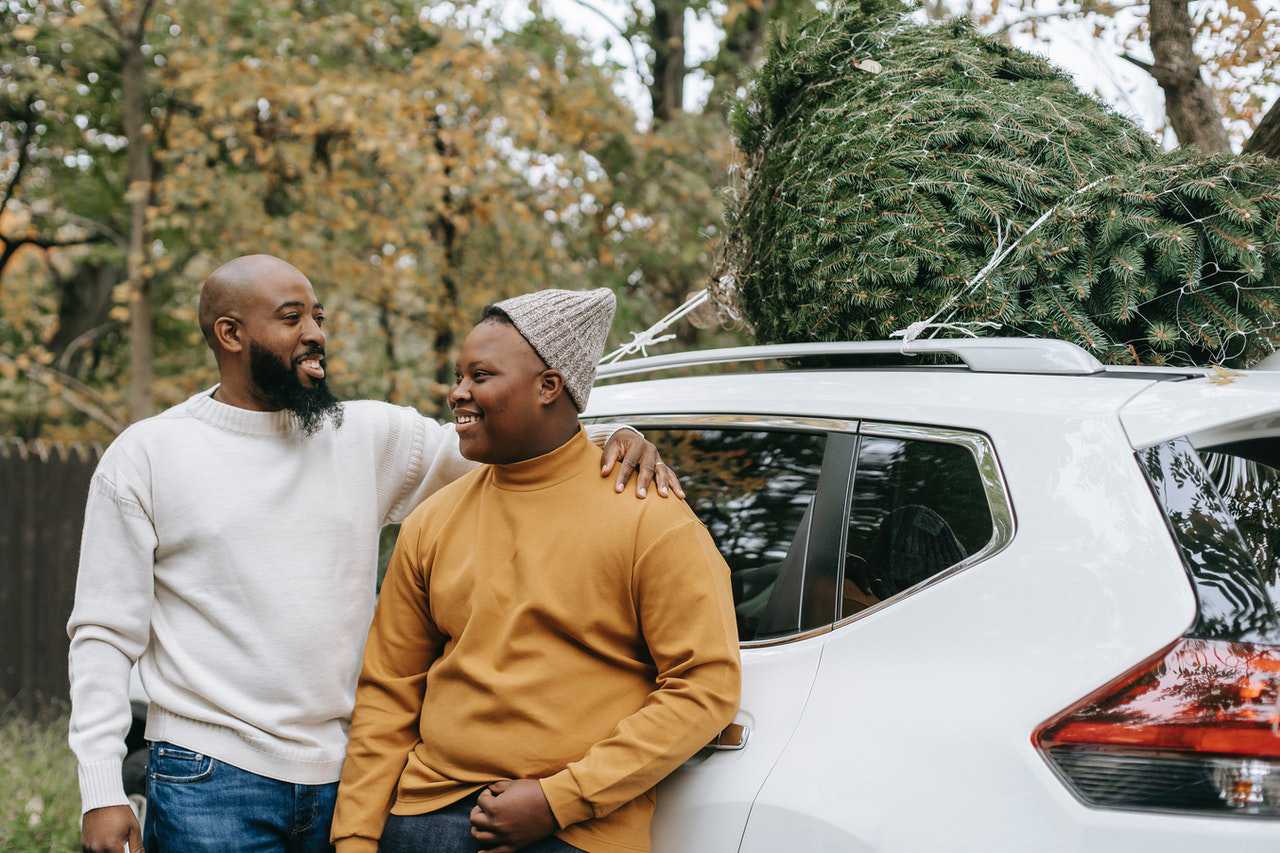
x=1223, y=507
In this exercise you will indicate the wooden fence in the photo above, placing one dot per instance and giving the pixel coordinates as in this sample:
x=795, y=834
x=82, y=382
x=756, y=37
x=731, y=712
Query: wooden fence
x=43, y=487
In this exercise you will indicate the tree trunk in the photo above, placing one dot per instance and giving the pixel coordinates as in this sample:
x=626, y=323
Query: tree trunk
x=1188, y=99
x=84, y=309
x=738, y=54
x=666, y=37
x=1266, y=136
x=141, y=333
x=445, y=233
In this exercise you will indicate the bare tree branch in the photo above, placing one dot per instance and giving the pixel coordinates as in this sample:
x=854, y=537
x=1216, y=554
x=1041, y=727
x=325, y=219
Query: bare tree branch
x=78, y=395
x=1189, y=101
x=98, y=31
x=1145, y=66
x=140, y=30
x=113, y=18
x=24, y=141
x=1064, y=15
x=11, y=247
x=82, y=340
x=1266, y=136
x=96, y=227
x=604, y=16
x=620, y=30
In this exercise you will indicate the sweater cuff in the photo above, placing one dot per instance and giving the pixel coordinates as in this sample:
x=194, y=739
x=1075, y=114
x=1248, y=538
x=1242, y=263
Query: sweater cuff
x=599, y=434
x=355, y=844
x=565, y=798
x=101, y=785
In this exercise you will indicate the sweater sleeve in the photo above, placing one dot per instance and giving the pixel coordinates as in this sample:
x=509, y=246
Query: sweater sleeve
x=403, y=643
x=109, y=627
x=421, y=455
x=685, y=605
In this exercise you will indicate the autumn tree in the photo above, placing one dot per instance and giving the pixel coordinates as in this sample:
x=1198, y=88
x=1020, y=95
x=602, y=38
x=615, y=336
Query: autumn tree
x=415, y=169
x=63, y=235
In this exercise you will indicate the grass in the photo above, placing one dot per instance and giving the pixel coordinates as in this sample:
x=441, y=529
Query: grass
x=39, y=792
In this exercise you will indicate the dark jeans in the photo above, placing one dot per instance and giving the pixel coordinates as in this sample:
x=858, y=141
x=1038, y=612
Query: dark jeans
x=446, y=831
x=197, y=804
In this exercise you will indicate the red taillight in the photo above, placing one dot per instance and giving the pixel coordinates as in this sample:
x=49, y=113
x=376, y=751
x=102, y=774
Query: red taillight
x=1195, y=728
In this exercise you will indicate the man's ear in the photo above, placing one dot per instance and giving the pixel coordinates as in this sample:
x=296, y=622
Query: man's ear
x=226, y=330
x=550, y=387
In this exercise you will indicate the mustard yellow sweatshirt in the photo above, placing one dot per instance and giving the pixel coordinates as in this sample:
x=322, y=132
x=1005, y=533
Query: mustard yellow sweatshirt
x=535, y=625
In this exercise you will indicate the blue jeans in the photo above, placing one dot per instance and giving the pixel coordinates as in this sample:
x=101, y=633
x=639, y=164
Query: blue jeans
x=197, y=804
x=446, y=831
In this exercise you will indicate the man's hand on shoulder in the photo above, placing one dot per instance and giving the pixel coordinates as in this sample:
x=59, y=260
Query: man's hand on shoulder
x=106, y=830
x=511, y=815
x=636, y=455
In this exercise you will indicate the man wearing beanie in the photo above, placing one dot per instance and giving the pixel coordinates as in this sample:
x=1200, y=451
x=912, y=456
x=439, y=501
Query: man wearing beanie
x=541, y=657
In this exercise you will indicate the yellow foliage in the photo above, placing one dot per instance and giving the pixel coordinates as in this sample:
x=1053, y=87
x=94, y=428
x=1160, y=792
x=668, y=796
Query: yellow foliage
x=415, y=171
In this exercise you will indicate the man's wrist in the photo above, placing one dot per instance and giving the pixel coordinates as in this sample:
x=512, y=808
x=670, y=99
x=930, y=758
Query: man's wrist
x=355, y=844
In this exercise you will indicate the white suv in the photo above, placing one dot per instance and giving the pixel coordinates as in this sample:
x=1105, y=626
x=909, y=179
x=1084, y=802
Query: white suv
x=1024, y=603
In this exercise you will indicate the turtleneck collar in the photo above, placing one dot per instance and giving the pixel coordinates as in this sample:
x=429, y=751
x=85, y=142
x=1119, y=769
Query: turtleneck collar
x=236, y=419
x=549, y=469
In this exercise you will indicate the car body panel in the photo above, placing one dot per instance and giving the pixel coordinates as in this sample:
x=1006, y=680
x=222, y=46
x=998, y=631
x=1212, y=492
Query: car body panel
x=1216, y=409
x=943, y=397
x=704, y=805
x=929, y=705
x=917, y=732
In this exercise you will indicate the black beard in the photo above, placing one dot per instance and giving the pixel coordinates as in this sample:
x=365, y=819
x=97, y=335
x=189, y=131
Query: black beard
x=279, y=385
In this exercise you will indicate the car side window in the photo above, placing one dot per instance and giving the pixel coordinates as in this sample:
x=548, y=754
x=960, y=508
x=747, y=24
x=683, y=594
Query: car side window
x=754, y=490
x=919, y=507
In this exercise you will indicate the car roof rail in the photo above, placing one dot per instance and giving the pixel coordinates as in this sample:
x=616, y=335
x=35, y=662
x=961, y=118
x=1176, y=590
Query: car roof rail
x=981, y=355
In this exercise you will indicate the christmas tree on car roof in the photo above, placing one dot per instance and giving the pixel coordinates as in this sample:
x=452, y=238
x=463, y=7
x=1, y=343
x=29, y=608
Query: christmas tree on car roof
x=901, y=174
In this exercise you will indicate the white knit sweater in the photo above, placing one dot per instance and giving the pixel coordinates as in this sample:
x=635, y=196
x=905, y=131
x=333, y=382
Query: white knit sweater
x=234, y=558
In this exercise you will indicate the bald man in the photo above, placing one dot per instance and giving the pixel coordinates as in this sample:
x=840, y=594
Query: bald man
x=230, y=549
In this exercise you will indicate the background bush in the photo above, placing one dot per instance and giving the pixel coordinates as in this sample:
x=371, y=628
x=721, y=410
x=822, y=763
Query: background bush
x=39, y=794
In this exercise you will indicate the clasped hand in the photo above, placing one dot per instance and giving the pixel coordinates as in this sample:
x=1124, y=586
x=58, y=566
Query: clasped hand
x=511, y=815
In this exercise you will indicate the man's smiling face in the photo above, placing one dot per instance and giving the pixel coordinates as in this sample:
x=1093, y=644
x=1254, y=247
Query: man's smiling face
x=283, y=325
x=285, y=319
x=496, y=401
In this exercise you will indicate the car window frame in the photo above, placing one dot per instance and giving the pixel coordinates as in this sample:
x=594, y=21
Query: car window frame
x=823, y=542
x=999, y=504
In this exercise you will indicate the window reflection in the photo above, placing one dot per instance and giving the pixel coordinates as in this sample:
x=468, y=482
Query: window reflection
x=1237, y=594
x=753, y=489
x=919, y=507
x=1198, y=682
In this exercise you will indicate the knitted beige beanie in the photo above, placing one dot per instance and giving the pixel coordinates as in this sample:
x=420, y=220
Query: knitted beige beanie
x=568, y=329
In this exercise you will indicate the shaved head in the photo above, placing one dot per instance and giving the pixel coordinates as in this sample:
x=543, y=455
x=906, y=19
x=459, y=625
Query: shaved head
x=228, y=289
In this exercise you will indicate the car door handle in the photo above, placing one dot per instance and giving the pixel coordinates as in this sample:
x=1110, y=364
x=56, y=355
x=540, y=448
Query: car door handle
x=733, y=737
